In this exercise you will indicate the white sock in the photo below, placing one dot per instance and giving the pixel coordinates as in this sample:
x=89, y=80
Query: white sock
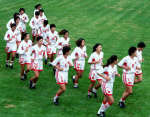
x=121, y=100
x=107, y=105
x=94, y=90
x=56, y=97
x=74, y=77
x=89, y=93
x=33, y=84
x=101, y=109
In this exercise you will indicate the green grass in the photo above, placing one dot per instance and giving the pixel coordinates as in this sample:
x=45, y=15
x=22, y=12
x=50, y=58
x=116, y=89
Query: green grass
x=117, y=24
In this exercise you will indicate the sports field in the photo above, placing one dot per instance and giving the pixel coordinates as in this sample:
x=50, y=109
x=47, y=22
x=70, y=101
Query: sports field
x=117, y=24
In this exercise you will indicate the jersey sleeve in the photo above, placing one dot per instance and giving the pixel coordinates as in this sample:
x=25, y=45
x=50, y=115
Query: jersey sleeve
x=70, y=60
x=55, y=62
x=91, y=59
x=122, y=62
x=7, y=36
x=45, y=52
x=32, y=23
x=26, y=18
x=21, y=50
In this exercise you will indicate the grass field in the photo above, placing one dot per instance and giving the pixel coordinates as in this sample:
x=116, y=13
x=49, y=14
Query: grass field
x=117, y=24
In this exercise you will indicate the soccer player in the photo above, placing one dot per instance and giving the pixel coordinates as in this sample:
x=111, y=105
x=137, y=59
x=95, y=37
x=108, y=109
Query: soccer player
x=42, y=17
x=63, y=41
x=11, y=46
x=24, y=51
x=138, y=74
x=11, y=21
x=23, y=19
x=43, y=31
x=96, y=61
x=129, y=65
x=62, y=64
x=52, y=37
x=108, y=74
x=79, y=54
x=37, y=8
x=34, y=24
x=38, y=51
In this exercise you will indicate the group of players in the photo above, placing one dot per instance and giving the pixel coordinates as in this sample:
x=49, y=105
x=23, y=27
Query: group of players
x=47, y=42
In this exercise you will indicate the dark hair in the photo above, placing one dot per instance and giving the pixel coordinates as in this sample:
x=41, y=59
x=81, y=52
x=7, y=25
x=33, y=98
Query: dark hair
x=79, y=42
x=45, y=22
x=24, y=35
x=141, y=45
x=37, y=13
x=41, y=10
x=21, y=9
x=111, y=60
x=12, y=25
x=15, y=15
x=131, y=50
x=52, y=25
x=63, y=32
x=39, y=38
x=36, y=6
x=66, y=49
x=95, y=46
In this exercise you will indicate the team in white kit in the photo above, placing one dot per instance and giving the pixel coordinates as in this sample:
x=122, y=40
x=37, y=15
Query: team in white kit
x=47, y=43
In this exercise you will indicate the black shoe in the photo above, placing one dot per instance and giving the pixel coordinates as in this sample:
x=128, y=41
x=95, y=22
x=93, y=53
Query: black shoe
x=73, y=80
x=121, y=104
x=75, y=87
x=17, y=55
x=54, y=70
x=56, y=102
x=89, y=96
x=31, y=85
x=102, y=114
x=25, y=75
x=11, y=66
x=7, y=65
x=22, y=78
x=95, y=94
x=45, y=61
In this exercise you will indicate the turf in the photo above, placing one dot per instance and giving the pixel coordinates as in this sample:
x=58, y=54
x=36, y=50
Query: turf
x=117, y=24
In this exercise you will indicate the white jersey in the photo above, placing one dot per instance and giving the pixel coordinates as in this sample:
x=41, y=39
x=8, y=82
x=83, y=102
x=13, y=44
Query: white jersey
x=43, y=30
x=11, y=21
x=139, y=56
x=38, y=52
x=110, y=72
x=22, y=48
x=130, y=62
x=80, y=53
x=96, y=57
x=24, y=18
x=62, y=42
x=11, y=37
x=42, y=18
x=34, y=23
x=19, y=31
x=63, y=62
x=52, y=37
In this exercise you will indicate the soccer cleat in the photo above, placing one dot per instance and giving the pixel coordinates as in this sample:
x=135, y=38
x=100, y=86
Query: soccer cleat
x=31, y=85
x=22, y=78
x=121, y=104
x=17, y=55
x=25, y=75
x=89, y=96
x=54, y=70
x=73, y=79
x=11, y=66
x=95, y=94
x=7, y=65
x=102, y=114
x=56, y=101
x=45, y=61
x=75, y=86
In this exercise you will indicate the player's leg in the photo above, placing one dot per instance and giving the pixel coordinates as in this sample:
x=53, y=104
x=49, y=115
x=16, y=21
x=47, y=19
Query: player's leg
x=90, y=89
x=34, y=79
x=138, y=78
x=94, y=90
x=61, y=90
x=12, y=59
x=126, y=93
